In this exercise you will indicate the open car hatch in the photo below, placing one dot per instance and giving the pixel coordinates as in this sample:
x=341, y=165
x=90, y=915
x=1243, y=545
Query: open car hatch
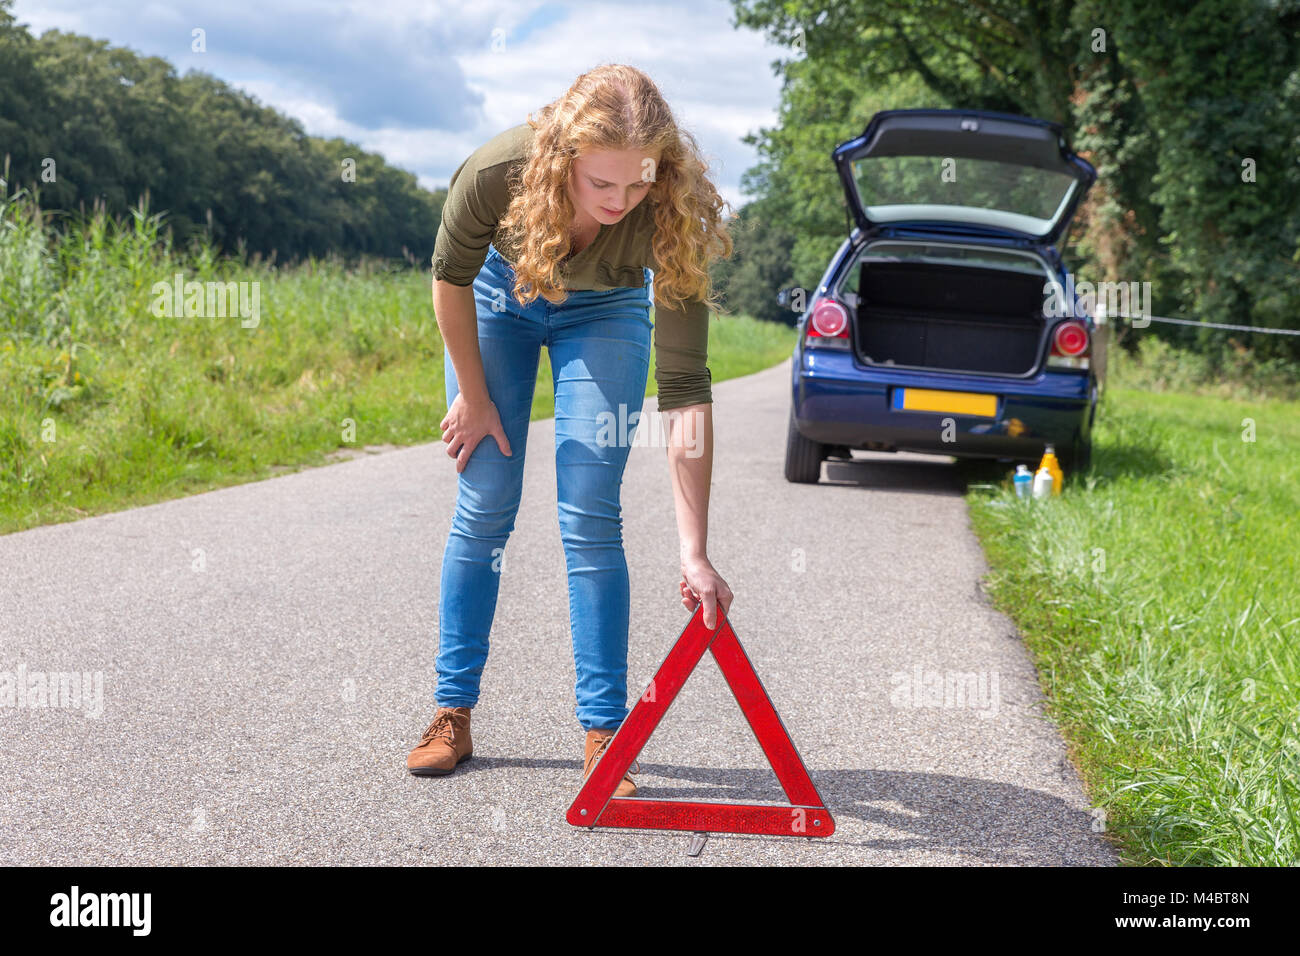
x=973, y=170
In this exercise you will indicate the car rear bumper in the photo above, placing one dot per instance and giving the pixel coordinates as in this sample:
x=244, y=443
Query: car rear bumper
x=839, y=401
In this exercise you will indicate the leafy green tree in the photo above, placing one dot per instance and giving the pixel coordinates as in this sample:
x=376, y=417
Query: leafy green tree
x=759, y=267
x=85, y=123
x=24, y=97
x=1220, y=92
x=1168, y=107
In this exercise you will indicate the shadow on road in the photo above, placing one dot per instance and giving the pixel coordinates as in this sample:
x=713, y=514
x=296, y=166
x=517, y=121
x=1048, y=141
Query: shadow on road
x=987, y=821
x=941, y=475
x=927, y=475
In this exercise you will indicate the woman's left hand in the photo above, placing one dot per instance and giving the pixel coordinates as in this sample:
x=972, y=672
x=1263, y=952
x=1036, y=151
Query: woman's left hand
x=700, y=582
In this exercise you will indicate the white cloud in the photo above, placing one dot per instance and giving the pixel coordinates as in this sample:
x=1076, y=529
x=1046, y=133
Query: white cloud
x=422, y=83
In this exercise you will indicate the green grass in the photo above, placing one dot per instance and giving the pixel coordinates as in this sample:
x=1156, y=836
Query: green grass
x=105, y=406
x=1230, y=371
x=1159, y=597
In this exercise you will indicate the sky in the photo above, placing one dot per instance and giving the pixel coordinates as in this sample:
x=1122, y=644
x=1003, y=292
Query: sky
x=425, y=83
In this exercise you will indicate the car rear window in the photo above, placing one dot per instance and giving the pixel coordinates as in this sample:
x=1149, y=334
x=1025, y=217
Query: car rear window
x=919, y=187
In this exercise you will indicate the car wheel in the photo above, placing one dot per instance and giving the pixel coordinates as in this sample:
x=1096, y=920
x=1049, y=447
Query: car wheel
x=1079, y=458
x=803, y=457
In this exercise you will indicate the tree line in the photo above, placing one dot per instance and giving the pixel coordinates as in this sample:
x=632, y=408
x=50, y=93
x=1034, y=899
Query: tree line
x=1192, y=119
x=84, y=122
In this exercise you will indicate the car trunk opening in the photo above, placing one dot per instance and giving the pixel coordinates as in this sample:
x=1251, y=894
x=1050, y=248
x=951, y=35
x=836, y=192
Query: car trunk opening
x=959, y=318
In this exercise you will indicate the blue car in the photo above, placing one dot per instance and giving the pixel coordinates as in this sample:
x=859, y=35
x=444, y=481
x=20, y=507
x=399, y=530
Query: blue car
x=947, y=322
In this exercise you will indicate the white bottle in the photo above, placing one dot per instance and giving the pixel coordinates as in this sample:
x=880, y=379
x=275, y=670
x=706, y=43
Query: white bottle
x=1023, y=479
x=1042, y=483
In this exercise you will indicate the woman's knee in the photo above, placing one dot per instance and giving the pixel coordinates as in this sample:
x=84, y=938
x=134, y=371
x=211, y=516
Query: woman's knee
x=487, y=501
x=587, y=521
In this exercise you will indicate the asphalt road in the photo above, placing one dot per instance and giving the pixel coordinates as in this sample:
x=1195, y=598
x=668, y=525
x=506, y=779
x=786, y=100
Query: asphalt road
x=267, y=653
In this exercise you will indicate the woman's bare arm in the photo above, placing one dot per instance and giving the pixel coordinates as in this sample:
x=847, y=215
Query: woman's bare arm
x=453, y=307
x=690, y=468
x=472, y=415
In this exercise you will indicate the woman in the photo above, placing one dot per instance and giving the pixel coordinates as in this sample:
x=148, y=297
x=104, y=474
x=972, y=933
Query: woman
x=547, y=235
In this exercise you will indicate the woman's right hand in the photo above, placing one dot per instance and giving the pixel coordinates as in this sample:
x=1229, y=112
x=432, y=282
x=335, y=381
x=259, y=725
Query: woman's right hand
x=468, y=423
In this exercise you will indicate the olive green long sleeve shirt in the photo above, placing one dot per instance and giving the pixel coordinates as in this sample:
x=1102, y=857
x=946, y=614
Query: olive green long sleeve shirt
x=477, y=198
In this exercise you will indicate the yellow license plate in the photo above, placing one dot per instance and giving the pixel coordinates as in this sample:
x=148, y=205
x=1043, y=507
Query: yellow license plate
x=958, y=403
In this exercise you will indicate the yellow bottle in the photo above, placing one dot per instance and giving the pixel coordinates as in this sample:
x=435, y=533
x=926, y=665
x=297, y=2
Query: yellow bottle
x=1051, y=464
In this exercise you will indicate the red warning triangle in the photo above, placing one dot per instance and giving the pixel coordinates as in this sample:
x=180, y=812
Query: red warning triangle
x=806, y=815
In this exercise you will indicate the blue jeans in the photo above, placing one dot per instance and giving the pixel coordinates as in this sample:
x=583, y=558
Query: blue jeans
x=599, y=347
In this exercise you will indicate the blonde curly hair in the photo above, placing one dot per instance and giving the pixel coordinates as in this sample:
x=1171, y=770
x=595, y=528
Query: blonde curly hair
x=614, y=107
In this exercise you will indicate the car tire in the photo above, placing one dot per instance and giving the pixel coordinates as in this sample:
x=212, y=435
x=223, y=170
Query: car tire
x=1079, y=458
x=803, y=457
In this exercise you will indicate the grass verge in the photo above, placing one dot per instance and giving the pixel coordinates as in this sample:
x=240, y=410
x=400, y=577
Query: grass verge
x=105, y=405
x=1158, y=595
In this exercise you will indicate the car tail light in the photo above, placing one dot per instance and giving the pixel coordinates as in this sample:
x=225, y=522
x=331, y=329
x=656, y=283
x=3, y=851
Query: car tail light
x=1070, y=345
x=828, y=325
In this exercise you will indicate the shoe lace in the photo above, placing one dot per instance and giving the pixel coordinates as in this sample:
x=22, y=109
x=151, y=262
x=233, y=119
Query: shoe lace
x=443, y=726
x=600, y=749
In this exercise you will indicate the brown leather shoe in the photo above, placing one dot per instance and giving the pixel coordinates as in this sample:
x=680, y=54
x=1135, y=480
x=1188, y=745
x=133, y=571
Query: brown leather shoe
x=444, y=744
x=597, y=741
